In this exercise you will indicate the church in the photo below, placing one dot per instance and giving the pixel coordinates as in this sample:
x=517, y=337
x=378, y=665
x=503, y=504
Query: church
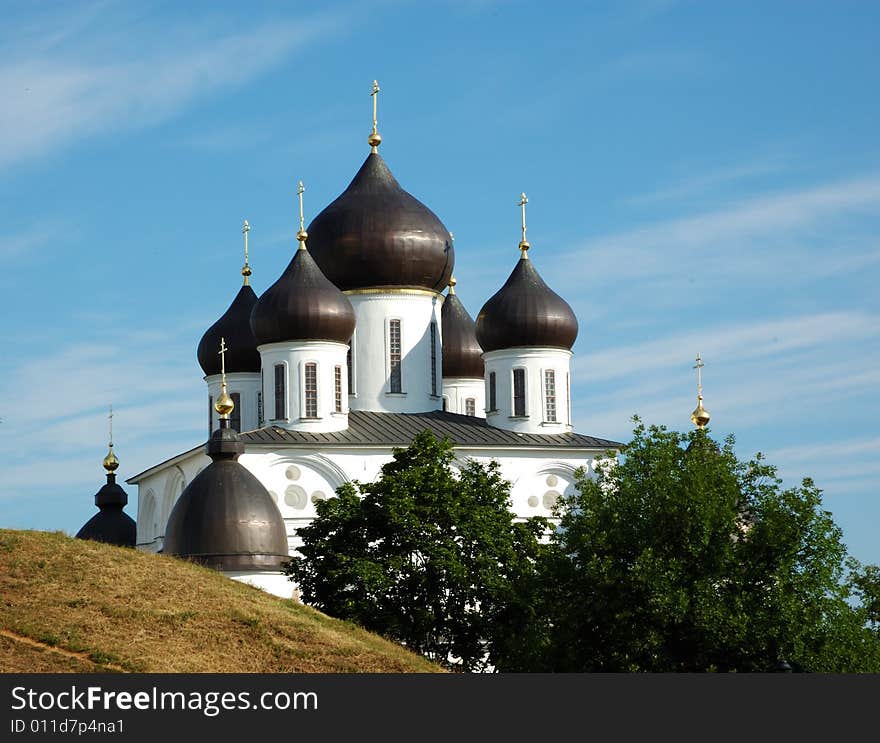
x=358, y=346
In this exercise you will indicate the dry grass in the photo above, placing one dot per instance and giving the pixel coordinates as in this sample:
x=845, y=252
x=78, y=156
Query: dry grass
x=108, y=608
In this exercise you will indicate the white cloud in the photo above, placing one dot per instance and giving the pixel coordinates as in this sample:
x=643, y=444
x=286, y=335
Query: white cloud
x=95, y=77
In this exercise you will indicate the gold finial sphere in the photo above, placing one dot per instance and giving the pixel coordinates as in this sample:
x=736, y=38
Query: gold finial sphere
x=375, y=139
x=302, y=236
x=700, y=417
x=111, y=463
x=246, y=270
x=224, y=405
x=452, y=283
x=524, y=247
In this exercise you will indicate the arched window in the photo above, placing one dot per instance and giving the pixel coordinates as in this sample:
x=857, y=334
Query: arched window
x=470, y=406
x=493, y=401
x=210, y=415
x=235, y=415
x=337, y=389
x=519, y=393
x=445, y=404
x=280, y=393
x=550, y=395
x=394, y=355
x=433, y=358
x=310, y=378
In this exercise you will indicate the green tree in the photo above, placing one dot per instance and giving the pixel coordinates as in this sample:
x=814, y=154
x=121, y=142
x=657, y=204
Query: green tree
x=425, y=557
x=681, y=557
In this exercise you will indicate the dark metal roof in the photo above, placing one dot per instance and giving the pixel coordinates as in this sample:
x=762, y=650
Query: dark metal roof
x=302, y=305
x=235, y=327
x=375, y=234
x=399, y=429
x=462, y=355
x=111, y=524
x=225, y=518
x=526, y=312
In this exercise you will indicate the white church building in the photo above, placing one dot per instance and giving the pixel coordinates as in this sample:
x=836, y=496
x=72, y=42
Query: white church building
x=358, y=346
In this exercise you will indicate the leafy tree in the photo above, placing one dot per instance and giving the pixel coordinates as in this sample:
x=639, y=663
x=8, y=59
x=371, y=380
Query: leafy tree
x=680, y=557
x=425, y=557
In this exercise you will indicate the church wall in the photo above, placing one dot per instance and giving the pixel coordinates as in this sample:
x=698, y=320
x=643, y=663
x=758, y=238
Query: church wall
x=247, y=385
x=535, y=362
x=415, y=309
x=457, y=390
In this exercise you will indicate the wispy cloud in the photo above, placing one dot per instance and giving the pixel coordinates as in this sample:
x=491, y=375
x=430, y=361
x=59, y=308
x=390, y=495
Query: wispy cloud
x=107, y=71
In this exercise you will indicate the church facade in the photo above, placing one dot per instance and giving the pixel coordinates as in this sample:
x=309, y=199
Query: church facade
x=358, y=346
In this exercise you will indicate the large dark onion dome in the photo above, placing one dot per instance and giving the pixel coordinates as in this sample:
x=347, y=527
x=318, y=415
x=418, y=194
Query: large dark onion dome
x=111, y=524
x=462, y=355
x=302, y=305
x=526, y=312
x=235, y=327
x=376, y=234
x=225, y=519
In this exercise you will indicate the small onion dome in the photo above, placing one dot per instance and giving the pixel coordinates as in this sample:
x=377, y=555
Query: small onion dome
x=225, y=519
x=235, y=327
x=111, y=524
x=526, y=312
x=376, y=234
x=302, y=305
x=462, y=355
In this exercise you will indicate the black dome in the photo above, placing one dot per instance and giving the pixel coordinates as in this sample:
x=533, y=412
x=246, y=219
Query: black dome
x=462, y=355
x=376, y=234
x=302, y=305
x=225, y=519
x=526, y=312
x=235, y=327
x=111, y=524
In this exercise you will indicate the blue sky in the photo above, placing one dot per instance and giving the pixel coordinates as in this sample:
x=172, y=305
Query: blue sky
x=701, y=177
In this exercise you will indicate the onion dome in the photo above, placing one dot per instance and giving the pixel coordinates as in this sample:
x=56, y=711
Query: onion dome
x=303, y=304
x=111, y=524
x=526, y=312
x=375, y=234
x=235, y=327
x=225, y=519
x=462, y=355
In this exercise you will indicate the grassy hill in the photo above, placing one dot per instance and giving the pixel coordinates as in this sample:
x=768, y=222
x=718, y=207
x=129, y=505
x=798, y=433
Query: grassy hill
x=68, y=605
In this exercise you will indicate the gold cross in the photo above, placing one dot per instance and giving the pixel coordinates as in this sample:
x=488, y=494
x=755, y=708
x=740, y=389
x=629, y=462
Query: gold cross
x=246, y=269
x=223, y=350
x=299, y=192
x=524, y=244
x=374, y=94
x=110, y=417
x=699, y=367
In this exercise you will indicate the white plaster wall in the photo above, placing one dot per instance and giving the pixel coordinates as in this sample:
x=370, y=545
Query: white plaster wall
x=275, y=583
x=372, y=376
x=457, y=390
x=247, y=385
x=295, y=356
x=535, y=361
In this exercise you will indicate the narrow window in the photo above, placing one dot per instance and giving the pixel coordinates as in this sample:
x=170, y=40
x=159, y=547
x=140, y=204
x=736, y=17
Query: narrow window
x=348, y=362
x=210, y=415
x=311, y=379
x=470, y=406
x=550, y=394
x=259, y=409
x=433, y=358
x=519, y=392
x=280, y=392
x=394, y=355
x=235, y=416
x=337, y=388
x=568, y=397
x=492, y=400
x=445, y=404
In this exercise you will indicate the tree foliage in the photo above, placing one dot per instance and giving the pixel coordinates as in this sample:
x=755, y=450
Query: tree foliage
x=680, y=557
x=423, y=556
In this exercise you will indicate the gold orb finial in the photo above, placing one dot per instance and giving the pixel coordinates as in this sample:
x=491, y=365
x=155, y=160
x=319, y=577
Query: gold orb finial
x=224, y=405
x=523, y=244
x=452, y=283
x=111, y=463
x=246, y=269
x=700, y=417
x=302, y=235
x=375, y=139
